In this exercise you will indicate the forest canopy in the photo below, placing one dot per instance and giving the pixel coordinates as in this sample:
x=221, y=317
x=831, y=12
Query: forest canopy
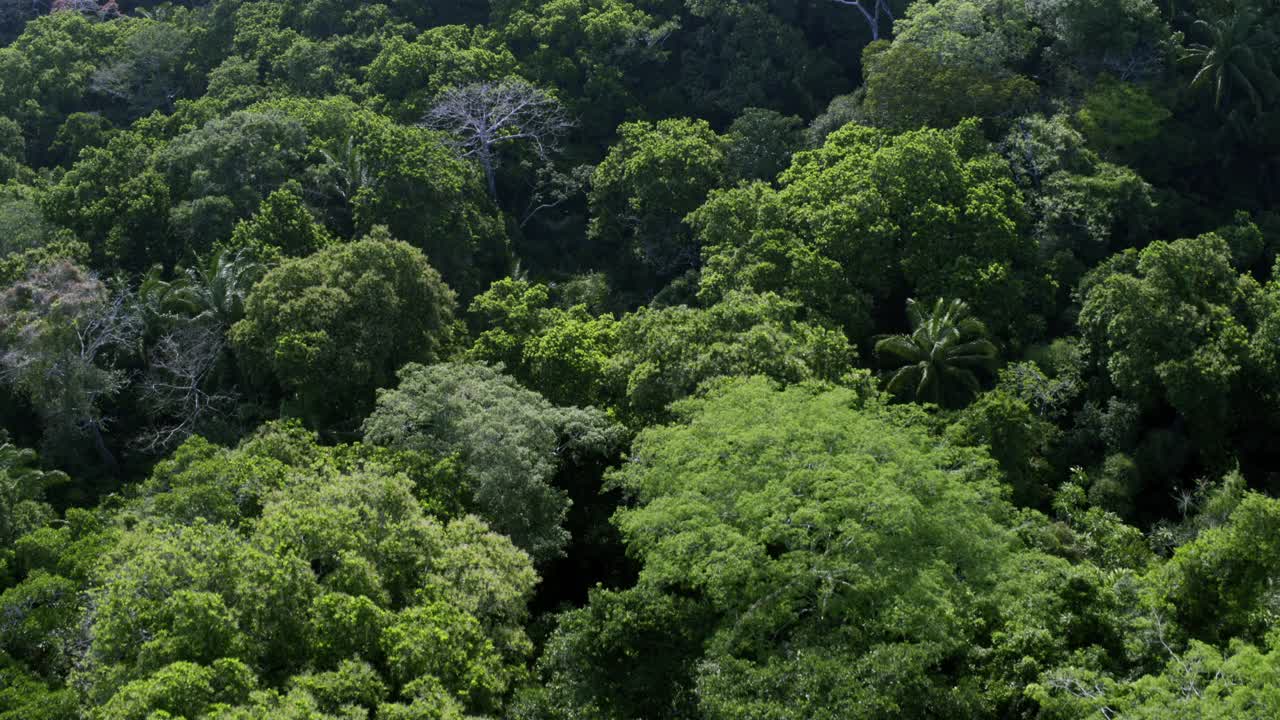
x=639, y=359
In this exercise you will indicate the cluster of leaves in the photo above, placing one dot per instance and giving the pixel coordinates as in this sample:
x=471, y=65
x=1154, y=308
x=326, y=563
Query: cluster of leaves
x=631, y=359
x=248, y=582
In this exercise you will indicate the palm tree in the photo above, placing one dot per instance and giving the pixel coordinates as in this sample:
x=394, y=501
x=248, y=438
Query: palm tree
x=1237, y=56
x=216, y=289
x=339, y=179
x=22, y=486
x=939, y=360
x=213, y=291
x=184, y=386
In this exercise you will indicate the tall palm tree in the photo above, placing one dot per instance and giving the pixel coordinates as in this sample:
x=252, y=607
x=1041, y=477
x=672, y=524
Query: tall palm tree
x=212, y=291
x=1237, y=56
x=939, y=360
x=216, y=288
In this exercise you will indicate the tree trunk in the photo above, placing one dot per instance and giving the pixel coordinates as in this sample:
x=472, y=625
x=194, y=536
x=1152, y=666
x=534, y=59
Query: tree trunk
x=100, y=444
x=490, y=178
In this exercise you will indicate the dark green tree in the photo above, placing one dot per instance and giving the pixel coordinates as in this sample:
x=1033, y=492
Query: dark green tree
x=655, y=175
x=333, y=327
x=1235, y=59
x=940, y=361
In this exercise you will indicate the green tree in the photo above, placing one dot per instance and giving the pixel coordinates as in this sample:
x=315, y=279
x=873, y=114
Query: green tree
x=1170, y=328
x=273, y=36
x=655, y=175
x=202, y=593
x=1082, y=208
x=250, y=579
x=148, y=68
x=665, y=354
x=202, y=480
x=1020, y=440
x=1119, y=118
x=12, y=149
x=761, y=143
x=223, y=171
x=217, y=288
x=79, y=131
x=282, y=227
x=737, y=55
x=752, y=242
x=23, y=227
x=22, y=486
x=588, y=663
x=174, y=187
x=1215, y=587
x=304, y=589
x=510, y=441
x=1129, y=39
x=26, y=696
x=182, y=689
x=407, y=76
x=46, y=71
x=941, y=358
x=333, y=327
x=1200, y=682
x=948, y=61
x=118, y=203
x=872, y=216
x=562, y=353
x=601, y=55
x=370, y=171
x=782, y=540
x=1235, y=59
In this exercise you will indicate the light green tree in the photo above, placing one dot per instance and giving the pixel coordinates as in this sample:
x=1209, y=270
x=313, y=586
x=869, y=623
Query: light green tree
x=804, y=553
x=22, y=486
x=666, y=354
x=871, y=216
x=509, y=440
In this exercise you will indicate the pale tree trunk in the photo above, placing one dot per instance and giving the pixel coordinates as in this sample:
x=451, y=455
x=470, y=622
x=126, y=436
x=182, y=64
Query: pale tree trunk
x=872, y=16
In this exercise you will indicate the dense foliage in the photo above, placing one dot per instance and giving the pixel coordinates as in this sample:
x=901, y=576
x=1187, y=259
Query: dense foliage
x=639, y=359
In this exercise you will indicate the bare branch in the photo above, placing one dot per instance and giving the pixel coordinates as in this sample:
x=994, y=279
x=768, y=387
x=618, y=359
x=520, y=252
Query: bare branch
x=177, y=386
x=872, y=16
x=554, y=188
x=1067, y=682
x=61, y=330
x=483, y=116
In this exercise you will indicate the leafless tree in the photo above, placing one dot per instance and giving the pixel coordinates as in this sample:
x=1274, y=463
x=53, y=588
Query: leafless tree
x=180, y=387
x=1089, y=689
x=176, y=387
x=483, y=116
x=102, y=8
x=878, y=9
x=1134, y=64
x=61, y=330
